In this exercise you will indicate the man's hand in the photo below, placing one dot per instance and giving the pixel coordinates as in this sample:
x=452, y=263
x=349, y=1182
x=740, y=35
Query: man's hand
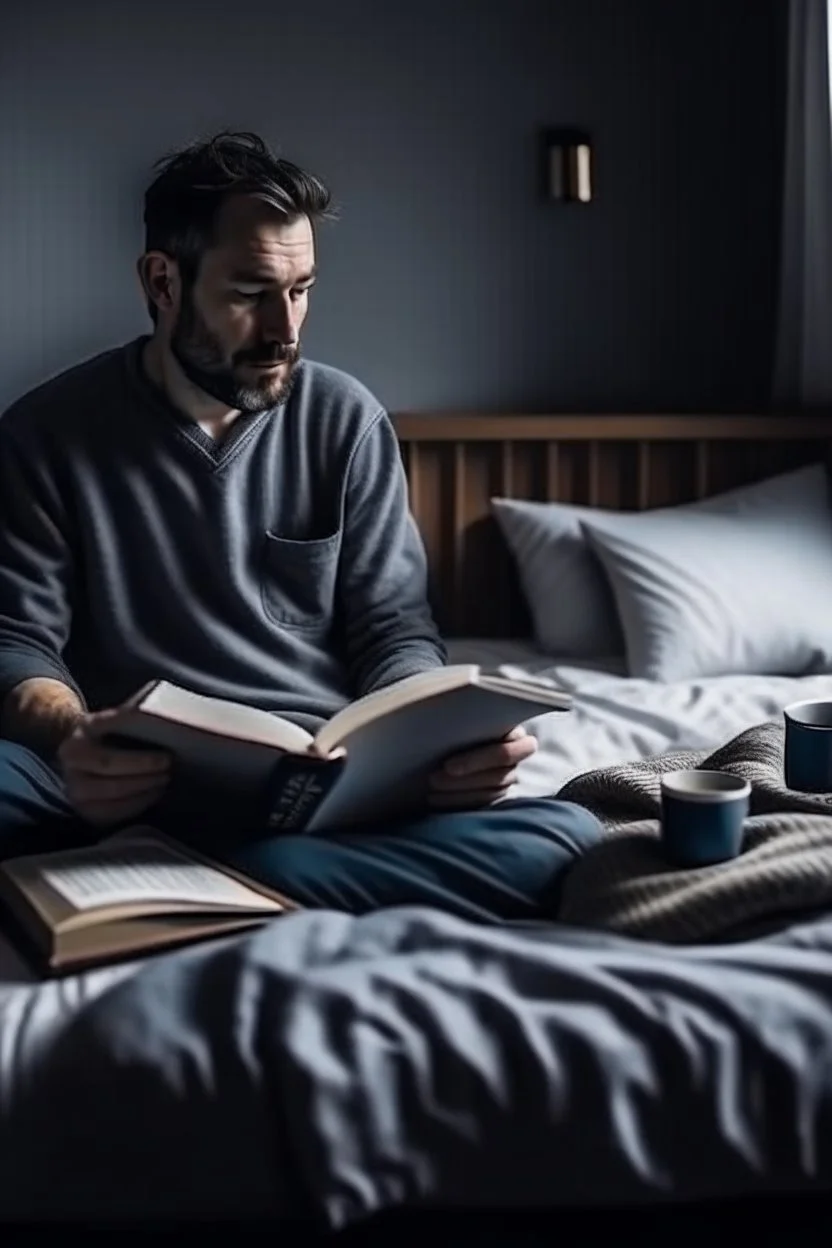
x=482, y=776
x=106, y=784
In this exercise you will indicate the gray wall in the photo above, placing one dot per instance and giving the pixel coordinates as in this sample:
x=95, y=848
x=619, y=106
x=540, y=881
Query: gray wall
x=448, y=283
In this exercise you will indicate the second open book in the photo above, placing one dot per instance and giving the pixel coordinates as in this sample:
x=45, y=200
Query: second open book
x=368, y=763
x=133, y=893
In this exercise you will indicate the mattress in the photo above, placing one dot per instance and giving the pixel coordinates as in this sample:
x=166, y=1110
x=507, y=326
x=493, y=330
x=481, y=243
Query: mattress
x=619, y=719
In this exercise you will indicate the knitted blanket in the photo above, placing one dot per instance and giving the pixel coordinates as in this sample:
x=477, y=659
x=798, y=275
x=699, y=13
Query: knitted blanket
x=626, y=885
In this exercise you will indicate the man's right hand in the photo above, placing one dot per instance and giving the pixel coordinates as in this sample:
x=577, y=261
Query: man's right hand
x=107, y=784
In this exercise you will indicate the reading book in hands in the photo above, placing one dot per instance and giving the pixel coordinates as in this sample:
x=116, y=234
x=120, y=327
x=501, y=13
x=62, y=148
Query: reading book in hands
x=369, y=762
x=134, y=892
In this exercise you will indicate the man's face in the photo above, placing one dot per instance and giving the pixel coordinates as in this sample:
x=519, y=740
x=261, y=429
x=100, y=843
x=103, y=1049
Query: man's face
x=237, y=329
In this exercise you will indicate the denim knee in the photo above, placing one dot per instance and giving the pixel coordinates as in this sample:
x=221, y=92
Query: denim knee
x=560, y=821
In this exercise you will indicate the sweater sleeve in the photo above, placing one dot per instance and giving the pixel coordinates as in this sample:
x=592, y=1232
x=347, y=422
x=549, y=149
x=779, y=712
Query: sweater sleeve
x=390, y=631
x=35, y=572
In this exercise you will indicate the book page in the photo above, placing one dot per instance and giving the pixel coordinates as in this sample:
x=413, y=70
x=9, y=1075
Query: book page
x=410, y=689
x=134, y=873
x=225, y=719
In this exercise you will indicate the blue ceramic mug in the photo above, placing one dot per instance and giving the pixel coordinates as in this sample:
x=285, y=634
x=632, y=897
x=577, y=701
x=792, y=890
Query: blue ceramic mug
x=703, y=813
x=807, y=756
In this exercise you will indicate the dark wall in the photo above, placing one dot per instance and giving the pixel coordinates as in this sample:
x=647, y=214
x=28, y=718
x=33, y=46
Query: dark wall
x=448, y=282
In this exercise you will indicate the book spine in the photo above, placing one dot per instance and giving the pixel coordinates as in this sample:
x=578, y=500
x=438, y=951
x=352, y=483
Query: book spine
x=296, y=788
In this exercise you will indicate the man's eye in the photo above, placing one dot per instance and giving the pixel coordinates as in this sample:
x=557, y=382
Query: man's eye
x=248, y=295
x=300, y=291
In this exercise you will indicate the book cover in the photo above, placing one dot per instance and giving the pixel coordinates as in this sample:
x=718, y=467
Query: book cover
x=296, y=789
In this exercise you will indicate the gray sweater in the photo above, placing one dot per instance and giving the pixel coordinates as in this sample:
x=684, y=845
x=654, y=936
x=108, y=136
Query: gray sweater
x=280, y=568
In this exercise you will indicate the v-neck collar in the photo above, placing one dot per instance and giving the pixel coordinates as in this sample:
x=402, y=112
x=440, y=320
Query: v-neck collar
x=214, y=452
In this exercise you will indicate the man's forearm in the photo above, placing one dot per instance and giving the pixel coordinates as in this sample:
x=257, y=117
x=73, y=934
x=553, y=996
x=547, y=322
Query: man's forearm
x=40, y=713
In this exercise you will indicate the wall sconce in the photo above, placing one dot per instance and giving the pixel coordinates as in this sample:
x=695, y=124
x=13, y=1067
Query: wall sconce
x=568, y=166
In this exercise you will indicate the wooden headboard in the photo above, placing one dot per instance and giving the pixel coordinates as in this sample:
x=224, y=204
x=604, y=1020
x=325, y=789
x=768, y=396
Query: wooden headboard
x=456, y=464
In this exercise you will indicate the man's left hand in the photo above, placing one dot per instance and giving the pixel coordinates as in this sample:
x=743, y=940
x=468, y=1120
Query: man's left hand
x=481, y=776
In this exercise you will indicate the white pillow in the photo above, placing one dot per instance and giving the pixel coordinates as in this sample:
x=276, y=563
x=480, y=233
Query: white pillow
x=742, y=585
x=571, y=605
x=573, y=609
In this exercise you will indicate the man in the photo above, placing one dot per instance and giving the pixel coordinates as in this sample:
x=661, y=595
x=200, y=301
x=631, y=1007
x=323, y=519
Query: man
x=204, y=506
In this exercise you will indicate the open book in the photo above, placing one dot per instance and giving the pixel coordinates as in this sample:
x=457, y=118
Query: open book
x=369, y=762
x=134, y=892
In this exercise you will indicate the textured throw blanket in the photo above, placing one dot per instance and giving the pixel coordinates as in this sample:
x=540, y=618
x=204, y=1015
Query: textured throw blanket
x=626, y=885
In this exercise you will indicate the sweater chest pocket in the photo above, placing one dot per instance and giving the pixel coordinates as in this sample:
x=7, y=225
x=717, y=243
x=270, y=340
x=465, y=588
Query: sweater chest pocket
x=298, y=578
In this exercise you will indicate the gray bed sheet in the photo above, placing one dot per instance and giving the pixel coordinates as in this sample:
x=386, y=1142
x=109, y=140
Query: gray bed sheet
x=334, y=1067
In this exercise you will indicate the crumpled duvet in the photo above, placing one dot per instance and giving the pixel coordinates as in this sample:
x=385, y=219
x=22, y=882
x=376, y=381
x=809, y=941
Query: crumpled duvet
x=332, y=1067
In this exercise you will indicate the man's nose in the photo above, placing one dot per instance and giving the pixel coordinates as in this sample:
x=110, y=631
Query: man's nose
x=280, y=323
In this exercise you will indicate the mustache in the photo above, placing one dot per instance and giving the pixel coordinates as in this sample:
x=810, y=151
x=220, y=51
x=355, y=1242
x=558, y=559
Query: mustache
x=272, y=355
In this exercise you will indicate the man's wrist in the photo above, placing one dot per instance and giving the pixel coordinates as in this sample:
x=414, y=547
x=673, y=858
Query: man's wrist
x=40, y=714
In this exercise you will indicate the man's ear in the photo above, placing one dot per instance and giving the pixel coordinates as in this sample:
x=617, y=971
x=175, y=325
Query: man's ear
x=159, y=278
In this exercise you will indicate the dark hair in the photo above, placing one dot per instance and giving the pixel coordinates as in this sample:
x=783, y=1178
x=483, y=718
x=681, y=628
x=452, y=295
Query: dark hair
x=182, y=202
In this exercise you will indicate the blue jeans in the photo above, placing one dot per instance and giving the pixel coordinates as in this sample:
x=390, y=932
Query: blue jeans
x=503, y=862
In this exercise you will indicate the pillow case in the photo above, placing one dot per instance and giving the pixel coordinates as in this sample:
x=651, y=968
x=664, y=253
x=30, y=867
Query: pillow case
x=570, y=602
x=743, y=585
x=575, y=610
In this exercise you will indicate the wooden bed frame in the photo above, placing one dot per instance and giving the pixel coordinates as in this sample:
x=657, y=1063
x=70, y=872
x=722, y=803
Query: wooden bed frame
x=456, y=464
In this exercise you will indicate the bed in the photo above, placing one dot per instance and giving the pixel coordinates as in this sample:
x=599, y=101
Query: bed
x=405, y=1069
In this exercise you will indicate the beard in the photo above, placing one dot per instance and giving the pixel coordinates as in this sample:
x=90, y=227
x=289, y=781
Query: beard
x=200, y=355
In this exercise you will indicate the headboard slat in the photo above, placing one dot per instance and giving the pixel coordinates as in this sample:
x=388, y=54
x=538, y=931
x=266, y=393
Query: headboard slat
x=459, y=512
x=702, y=468
x=552, y=471
x=507, y=469
x=643, y=476
x=414, y=476
x=593, y=472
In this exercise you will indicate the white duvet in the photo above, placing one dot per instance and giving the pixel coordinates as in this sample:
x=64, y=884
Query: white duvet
x=617, y=719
